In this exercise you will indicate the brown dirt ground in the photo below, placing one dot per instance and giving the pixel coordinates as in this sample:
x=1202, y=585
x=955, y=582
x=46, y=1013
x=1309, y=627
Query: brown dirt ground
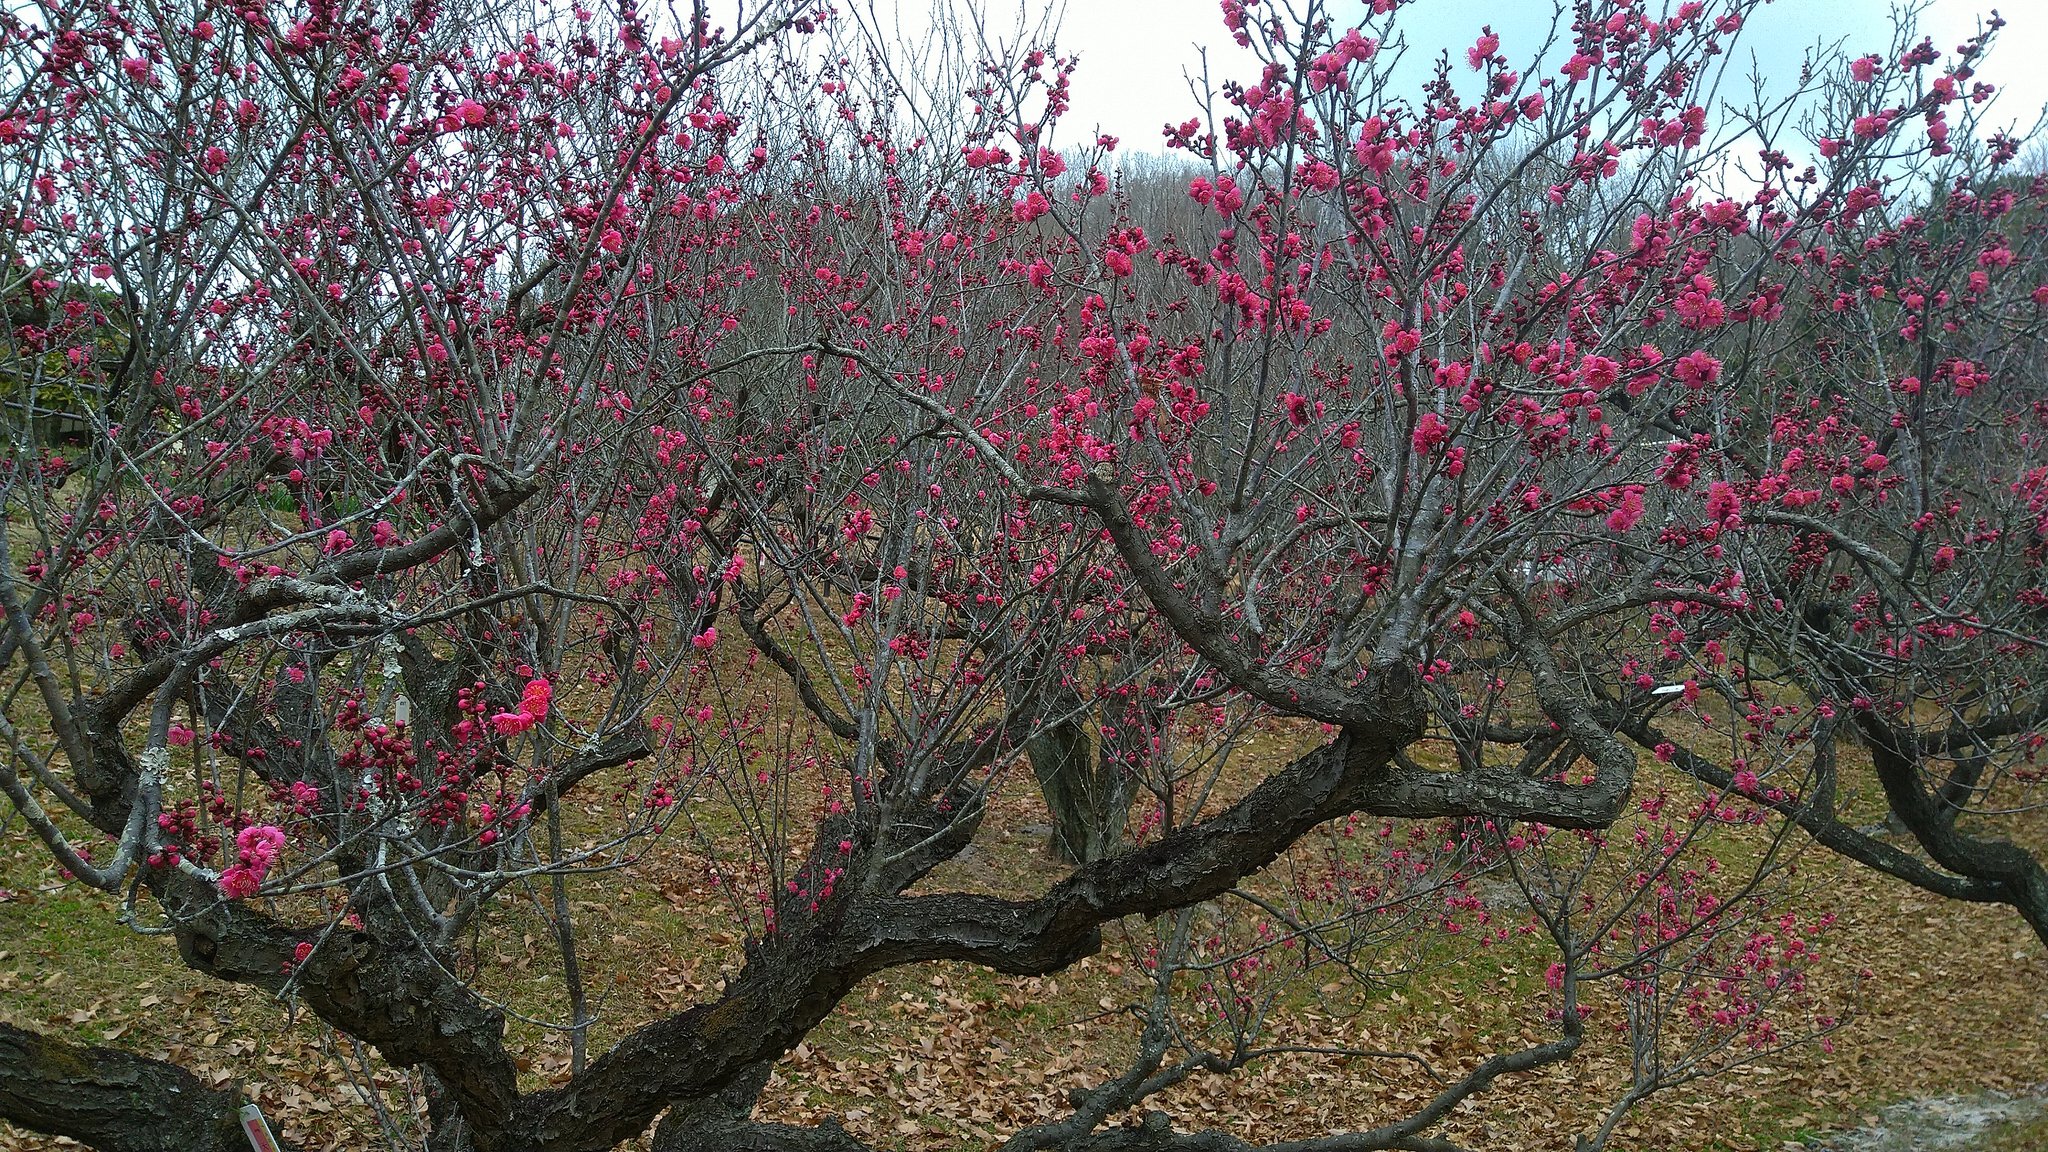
x=1956, y=1000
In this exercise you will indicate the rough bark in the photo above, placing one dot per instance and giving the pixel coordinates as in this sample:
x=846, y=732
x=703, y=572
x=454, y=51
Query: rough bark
x=392, y=995
x=722, y=1122
x=1931, y=818
x=793, y=980
x=111, y=1100
x=1088, y=795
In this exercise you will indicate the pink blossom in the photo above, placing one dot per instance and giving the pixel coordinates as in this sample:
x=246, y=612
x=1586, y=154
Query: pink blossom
x=705, y=640
x=1430, y=431
x=1297, y=407
x=256, y=849
x=259, y=844
x=1696, y=370
x=1627, y=512
x=533, y=708
x=534, y=701
x=1697, y=310
x=1864, y=69
x=1725, y=214
x=1483, y=50
x=1356, y=46
x=239, y=883
x=1723, y=502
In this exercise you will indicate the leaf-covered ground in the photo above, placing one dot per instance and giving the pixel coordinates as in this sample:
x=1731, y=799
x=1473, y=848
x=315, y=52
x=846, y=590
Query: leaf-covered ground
x=1947, y=998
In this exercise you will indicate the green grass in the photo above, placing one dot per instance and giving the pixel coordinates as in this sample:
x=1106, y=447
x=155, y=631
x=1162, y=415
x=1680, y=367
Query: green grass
x=2018, y=1136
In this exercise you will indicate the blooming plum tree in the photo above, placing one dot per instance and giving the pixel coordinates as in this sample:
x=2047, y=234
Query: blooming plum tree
x=533, y=443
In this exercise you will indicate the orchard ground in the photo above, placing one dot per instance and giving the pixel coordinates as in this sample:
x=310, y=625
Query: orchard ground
x=1948, y=999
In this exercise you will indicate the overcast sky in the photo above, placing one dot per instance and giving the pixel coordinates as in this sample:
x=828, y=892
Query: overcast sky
x=1134, y=52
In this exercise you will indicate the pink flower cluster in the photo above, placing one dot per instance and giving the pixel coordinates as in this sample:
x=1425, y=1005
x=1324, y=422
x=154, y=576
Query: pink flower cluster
x=1430, y=431
x=256, y=849
x=533, y=708
x=1481, y=52
x=1628, y=510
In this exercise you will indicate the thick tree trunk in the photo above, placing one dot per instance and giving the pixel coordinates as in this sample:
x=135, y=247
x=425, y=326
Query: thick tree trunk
x=722, y=1122
x=1930, y=814
x=111, y=1100
x=1089, y=795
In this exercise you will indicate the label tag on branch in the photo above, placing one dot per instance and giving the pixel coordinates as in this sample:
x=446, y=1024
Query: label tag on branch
x=257, y=1129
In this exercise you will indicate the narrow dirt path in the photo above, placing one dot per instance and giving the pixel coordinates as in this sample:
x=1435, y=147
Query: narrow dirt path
x=1940, y=1123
